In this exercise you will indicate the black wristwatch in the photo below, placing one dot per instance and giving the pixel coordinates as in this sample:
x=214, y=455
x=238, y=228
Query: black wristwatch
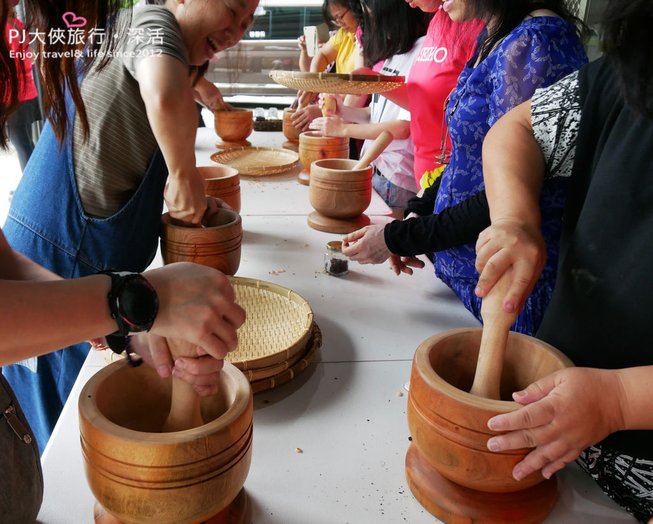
x=132, y=301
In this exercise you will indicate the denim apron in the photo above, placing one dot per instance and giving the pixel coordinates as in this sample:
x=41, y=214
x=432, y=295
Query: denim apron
x=47, y=223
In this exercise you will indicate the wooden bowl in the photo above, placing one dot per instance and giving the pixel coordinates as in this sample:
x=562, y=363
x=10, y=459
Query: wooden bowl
x=449, y=468
x=338, y=191
x=140, y=475
x=313, y=146
x=222, y=182
x=217, y=244
x=289, y=130
x=234, y=125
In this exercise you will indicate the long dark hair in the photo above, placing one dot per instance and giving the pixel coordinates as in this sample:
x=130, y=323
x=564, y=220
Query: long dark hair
x=390, y=27
x=626, y=29
x=60, y=73
x=508, y=14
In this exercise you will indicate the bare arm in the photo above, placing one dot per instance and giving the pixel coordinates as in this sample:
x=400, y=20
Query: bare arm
x=209, y=95
x=168, y=95
x=399, y=95
x=513, y=170
x=325, y=55
x=337, y=126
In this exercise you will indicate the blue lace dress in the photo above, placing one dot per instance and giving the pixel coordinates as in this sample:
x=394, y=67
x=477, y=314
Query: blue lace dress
x=537, y=53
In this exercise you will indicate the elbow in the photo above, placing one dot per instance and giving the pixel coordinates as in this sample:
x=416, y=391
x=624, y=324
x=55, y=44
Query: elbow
x=402, y=131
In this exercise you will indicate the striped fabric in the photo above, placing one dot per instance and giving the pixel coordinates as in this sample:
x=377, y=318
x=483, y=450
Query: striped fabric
x=110, y=165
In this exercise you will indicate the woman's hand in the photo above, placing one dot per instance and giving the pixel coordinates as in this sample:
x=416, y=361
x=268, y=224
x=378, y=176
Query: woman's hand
x=404, y=264
x=329, y=126
x=562, y=414
x=185, y=197
x=196, y=304
x=367, y=245
x=201, y=372
x=304, y=116
x=306, y=98
x=507, y=244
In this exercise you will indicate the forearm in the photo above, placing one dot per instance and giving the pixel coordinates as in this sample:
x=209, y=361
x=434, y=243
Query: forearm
x=319, y=62
x=39, y=317
x=513, y=168
x=455, y=226
x=304, y=61
x=635, y=386
x=368, y=131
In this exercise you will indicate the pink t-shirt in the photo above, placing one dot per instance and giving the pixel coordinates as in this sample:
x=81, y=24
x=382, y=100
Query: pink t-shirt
x=447, y=47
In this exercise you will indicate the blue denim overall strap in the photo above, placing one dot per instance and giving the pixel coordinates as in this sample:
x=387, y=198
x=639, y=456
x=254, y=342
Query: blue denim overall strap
x=47, y=223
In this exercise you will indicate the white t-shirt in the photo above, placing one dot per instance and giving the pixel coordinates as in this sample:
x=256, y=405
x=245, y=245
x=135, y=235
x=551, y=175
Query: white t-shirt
x=396, y=162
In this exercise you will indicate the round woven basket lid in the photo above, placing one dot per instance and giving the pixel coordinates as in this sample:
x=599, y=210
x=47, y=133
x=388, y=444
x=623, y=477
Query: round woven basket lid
x=257, y=161
x=291, y=372
x=337, y=83
x=278, y=324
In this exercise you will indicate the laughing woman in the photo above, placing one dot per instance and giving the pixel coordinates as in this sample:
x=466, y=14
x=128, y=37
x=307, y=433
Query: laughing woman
x=94, y=203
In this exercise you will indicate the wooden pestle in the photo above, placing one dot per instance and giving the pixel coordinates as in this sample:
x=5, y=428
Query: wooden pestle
x=382, y=141
x=185, y=412
x=496, y=325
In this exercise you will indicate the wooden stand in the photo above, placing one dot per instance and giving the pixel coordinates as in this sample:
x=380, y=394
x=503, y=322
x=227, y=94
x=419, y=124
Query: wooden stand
x=233, y=145
x=238, y=512
x=326, y=224
x=455, y=504
x=304, y=178
x=292, y=146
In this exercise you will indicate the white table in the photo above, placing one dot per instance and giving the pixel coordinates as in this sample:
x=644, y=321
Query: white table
x=271, y=195
x=347, y=412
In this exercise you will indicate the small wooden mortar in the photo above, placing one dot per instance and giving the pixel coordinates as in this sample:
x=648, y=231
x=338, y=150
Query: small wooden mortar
x=313, y=146
x=339, y=195
x=290, y=131
x=448, y=466
x=217, y=244
x=142, y=475
x=234, y=126
x=222, y=182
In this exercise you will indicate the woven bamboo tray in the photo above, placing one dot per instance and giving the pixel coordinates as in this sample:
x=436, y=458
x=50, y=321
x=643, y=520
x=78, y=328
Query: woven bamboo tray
x=278, y=325
x=343, y=84
x=287, y=375
x=257, y=161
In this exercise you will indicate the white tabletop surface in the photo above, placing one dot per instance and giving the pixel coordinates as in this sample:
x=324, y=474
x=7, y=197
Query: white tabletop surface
x=276, y=194
x=346, y=412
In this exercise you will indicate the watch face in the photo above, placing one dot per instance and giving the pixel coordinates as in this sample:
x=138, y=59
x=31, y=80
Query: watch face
x=138, y=303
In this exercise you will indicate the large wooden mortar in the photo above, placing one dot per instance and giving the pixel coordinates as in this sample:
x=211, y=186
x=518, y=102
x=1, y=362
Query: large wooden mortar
x=222, y=182
x=216, y=244
x=314, y=146
x=140, y=475
x=290, y=131
x=339, y=195
x=234, y=126
x=448, y=466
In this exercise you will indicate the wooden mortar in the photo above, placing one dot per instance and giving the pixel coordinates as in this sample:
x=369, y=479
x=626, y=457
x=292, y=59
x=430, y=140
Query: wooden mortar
x=313, y=146
x=217, y=244
x=141, y=475
x=448, y=466
x=222, y=182
x=234, y=126
x=290, y=131
x=339, y=195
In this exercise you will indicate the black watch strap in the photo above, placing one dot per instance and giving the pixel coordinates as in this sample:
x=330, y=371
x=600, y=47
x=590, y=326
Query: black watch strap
x=133, y=302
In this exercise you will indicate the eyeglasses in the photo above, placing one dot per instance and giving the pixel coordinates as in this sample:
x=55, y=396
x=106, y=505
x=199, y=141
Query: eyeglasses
x=339, y=18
